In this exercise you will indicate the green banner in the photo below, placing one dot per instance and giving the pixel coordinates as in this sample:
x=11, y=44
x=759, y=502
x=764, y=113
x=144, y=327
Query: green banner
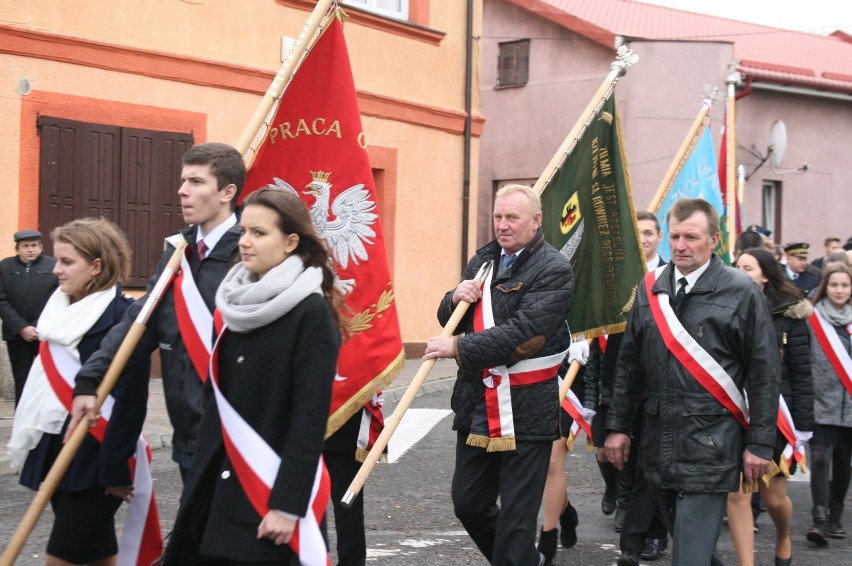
x=588, y=215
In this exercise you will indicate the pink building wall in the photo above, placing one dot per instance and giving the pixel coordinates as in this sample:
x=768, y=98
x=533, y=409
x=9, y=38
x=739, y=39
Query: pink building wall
x=658, y=100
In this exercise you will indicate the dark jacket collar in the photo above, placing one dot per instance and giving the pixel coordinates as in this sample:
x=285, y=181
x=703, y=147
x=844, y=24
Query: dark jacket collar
x=492, y=251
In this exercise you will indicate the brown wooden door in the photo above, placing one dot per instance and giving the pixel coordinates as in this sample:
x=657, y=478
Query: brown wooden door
x=127, y=175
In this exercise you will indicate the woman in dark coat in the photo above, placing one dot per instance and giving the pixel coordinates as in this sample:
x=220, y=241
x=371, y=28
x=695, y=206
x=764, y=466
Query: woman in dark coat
x=92, y=260
x=272, y=372
x=790, y=312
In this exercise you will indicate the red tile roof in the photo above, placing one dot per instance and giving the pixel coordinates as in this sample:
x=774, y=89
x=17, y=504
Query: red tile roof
x=763, y=53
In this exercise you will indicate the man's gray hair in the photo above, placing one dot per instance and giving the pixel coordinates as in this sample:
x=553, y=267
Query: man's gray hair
x=532, y=196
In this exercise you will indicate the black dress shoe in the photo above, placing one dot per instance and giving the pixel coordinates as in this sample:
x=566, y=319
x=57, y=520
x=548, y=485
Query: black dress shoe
x=652, y=549
x=628, y=559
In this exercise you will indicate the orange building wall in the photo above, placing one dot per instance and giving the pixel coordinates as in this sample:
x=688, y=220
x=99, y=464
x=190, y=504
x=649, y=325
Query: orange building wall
x=200, y=67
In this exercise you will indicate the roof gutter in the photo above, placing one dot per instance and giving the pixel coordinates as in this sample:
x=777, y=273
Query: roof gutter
x=798, y=90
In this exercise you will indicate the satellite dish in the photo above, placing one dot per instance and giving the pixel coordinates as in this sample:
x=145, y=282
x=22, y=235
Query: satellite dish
x=777, y=143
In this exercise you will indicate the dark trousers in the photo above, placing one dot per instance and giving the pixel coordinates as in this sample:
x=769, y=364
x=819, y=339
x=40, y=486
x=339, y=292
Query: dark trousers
x=505, y=534
x=644, y=518
x=831, y=450
x=349, y=523
x=21, y=356
x=694, y=521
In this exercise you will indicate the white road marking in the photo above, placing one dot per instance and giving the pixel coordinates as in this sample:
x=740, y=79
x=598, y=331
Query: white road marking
x=415, y=424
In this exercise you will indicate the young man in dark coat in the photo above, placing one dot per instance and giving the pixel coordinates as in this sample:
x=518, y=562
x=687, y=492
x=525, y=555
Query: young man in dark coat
x=212, y=178
x=527, y=299
x=26, y=282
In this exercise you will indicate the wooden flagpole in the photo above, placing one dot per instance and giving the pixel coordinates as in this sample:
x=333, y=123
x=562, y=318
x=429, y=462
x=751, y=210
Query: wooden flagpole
x=573, y=370
x=405, y=402
x=731, y=159
x=695, y=131
x=618, y=68
x=69, y=450
x=302, y=46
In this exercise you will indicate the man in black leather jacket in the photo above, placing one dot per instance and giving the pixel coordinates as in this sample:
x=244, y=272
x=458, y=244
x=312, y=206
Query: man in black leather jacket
x=530, y=299
x=693, y=447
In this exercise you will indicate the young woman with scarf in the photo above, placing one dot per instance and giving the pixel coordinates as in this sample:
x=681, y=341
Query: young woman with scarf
x=92, y=260
x=831, y=445
x=790, y=312
x=257, y=467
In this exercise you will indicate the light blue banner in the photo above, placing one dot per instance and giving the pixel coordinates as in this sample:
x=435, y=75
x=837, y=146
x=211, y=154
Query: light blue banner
x=699, y=178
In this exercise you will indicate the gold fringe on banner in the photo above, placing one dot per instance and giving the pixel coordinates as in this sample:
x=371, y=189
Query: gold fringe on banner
x=361, y=455
x=569, y=443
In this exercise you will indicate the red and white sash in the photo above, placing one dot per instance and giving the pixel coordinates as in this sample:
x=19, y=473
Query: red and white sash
x=794, y=450
x=499, y=381
x=142, y=543
x=571, y=404
x=257, y=465
x=372, y=424
x=830, y=343
x=194, y=319
x=692, y=356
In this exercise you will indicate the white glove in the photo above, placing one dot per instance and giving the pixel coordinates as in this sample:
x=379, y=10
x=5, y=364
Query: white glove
x=588, y=414
x=579, y=351
x=803, y=437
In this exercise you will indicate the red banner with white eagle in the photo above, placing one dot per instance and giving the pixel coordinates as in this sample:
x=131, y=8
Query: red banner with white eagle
x=316, y=147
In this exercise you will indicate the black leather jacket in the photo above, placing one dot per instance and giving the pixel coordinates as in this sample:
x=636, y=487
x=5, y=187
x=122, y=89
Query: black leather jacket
x=183, y=389
x=530, y=301
x=690, y=442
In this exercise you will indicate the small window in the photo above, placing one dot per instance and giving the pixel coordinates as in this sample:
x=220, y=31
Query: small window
x=397, y=9
x=771, y=206
x=514, y=63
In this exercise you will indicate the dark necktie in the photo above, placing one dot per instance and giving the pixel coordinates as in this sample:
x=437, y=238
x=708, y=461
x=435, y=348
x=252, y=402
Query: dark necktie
x=202, y=250
x=506, y=262
x=681, y=291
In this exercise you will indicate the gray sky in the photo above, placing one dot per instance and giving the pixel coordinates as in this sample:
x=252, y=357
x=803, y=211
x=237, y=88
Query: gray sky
x=813, y=16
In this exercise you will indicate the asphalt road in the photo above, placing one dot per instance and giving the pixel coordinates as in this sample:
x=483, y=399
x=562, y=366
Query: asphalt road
x=410, y=520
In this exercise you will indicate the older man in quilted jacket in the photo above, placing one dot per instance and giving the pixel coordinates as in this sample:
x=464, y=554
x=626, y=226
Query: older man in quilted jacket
x=506, y=398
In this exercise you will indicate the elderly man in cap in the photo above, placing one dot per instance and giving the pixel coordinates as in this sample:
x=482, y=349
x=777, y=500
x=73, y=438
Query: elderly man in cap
x=803, y=275
x=26, y=282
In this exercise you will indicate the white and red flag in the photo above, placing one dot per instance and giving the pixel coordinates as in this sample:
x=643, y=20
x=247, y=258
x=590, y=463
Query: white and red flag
x=316, y=147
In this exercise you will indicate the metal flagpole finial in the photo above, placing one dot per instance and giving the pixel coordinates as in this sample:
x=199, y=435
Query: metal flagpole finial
x=712, y=95
x=733, y=76
x=624, y=58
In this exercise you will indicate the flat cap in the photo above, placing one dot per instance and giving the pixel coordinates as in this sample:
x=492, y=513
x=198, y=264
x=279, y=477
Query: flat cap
x=27, y=235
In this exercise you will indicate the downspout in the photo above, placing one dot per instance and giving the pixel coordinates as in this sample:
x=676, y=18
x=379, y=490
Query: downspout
x=746, y=91
x=468, y=104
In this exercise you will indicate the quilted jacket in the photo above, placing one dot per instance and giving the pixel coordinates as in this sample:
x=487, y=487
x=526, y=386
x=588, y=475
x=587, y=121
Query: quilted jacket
x=530, y=301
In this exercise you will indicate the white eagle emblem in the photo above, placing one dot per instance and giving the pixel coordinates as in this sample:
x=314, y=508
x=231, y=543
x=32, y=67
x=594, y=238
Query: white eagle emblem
x=347, y=228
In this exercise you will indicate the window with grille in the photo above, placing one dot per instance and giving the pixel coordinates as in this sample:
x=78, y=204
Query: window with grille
x=514, y=63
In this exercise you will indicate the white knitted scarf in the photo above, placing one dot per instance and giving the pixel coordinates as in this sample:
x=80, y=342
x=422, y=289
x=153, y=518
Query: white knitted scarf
x=39, y=411
x=247, y=303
